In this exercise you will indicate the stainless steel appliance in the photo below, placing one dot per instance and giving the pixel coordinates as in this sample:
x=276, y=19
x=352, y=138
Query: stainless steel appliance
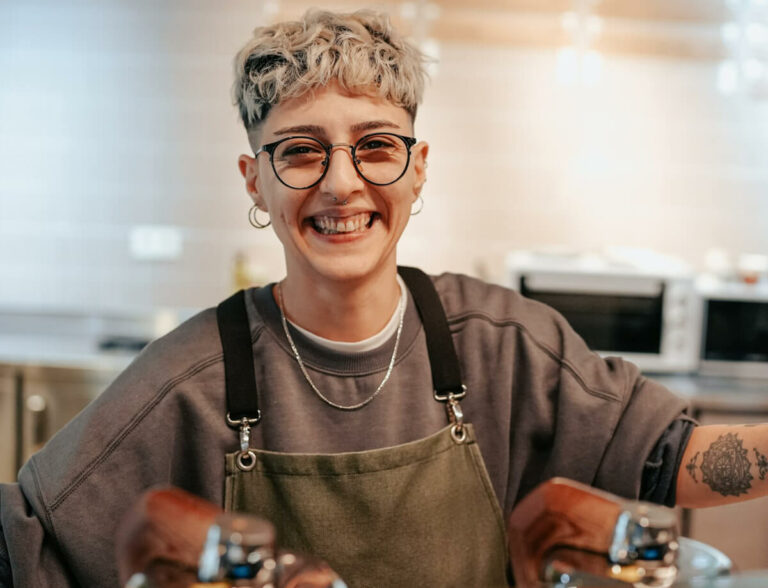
x=55, y=361
x=51, y=397
x=632, y=303
x=35, y=402
x=735, y=328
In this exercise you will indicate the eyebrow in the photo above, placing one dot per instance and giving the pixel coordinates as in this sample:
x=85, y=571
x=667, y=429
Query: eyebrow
x=320, y=131
x=301, y=130
x=373, y=124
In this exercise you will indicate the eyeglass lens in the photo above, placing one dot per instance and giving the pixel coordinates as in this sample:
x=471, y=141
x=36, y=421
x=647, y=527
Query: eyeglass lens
x=380, y=159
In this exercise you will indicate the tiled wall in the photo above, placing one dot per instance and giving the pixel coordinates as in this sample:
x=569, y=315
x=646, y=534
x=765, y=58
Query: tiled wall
x=116, y=114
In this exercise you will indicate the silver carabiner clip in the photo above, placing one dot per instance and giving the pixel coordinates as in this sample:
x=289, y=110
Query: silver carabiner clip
x=246, y=458
x=456, y=417
x=245, y=435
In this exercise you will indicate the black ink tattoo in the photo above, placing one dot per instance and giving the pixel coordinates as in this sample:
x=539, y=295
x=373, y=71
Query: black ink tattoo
x=691, y=467
x=762, y=463
x=725, y=467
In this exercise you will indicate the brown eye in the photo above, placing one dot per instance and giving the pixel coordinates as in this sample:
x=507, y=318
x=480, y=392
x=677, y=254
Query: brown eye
x=376, y=142
x=299, y=151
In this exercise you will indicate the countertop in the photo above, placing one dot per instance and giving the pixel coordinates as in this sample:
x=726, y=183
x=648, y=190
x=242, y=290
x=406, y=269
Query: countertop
x=720, y=394
x=107, y=342
x=78, y=339
x=77, y=353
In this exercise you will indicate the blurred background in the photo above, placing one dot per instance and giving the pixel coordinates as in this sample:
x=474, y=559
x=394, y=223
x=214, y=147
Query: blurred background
x=575, y=126
x=578, y=123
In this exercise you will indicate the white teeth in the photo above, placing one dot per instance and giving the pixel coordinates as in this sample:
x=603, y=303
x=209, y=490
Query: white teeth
x=332, y=225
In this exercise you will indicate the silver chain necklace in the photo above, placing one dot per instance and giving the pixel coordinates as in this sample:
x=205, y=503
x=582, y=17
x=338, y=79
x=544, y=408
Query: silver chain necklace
x=401, y=310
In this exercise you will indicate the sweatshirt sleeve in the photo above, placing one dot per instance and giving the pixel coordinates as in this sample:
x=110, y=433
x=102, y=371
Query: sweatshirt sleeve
x=661, y=467
x=649, y=410
x=29, y=555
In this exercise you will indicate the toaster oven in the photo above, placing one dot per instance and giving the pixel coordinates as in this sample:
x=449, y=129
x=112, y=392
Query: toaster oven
x=629, y=303
x=735, y=328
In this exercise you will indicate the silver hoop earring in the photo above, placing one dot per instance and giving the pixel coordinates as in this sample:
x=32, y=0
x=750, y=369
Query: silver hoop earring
x=421, y=206
x=254, y=220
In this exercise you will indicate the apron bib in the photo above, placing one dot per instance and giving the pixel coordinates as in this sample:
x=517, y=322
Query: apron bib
x=418, y=514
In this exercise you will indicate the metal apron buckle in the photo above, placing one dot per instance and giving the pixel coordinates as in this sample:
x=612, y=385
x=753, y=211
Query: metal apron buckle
x=246, y=458
x=455, y=414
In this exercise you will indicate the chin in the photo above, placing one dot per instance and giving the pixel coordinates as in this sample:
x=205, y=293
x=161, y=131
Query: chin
x=350, y=270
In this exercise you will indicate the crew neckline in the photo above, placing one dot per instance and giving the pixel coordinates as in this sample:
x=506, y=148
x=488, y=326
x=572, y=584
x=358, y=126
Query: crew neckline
x=368, y=343
x=265, y=313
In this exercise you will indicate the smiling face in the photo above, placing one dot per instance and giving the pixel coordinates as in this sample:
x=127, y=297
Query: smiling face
x=343, y=228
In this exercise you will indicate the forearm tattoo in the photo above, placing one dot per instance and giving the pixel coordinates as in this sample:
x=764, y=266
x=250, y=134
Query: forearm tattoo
x=725, y=466
x=691, y=467
x=762, y=463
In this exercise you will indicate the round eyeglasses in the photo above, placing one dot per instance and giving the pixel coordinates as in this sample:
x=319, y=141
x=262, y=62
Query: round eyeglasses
x=302, y=162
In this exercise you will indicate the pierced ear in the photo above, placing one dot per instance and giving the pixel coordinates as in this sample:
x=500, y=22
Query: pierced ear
x=417, y=189
x=249, y=168
x=419, y=154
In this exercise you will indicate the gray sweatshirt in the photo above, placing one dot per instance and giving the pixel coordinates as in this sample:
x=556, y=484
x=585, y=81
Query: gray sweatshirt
x=541, y=402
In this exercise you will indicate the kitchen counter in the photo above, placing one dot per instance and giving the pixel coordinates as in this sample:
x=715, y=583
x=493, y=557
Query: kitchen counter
x=68, y=352
x=76, y=339
x=106, y=341
x=718, y=394
x=110, y=344
x=53, y=362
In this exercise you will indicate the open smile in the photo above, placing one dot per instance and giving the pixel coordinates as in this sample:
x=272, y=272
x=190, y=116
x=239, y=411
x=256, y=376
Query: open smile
x=335, y=225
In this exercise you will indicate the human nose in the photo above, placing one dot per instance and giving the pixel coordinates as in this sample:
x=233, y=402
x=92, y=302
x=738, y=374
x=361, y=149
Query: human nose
x=341, y=176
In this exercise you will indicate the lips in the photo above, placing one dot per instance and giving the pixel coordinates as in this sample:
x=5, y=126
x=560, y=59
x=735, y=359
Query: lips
x=336, y=225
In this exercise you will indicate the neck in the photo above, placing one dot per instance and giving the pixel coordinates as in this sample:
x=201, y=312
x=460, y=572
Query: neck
x=341, y=311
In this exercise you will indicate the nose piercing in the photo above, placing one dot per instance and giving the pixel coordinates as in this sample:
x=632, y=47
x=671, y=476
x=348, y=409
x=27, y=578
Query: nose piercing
x=336, y=201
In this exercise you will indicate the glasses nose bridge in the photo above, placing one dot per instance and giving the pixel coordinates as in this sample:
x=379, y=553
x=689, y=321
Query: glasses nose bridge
x=331, y=147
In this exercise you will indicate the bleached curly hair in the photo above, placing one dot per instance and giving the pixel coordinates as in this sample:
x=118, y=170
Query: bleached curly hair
x=360, y=50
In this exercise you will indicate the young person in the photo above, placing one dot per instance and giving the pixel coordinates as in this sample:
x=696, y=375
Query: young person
x=383, y=420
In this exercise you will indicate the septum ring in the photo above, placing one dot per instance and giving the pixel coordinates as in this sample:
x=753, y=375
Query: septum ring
x=336, y=201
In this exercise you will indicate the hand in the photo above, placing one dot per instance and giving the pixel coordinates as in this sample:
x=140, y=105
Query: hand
x=162, y=536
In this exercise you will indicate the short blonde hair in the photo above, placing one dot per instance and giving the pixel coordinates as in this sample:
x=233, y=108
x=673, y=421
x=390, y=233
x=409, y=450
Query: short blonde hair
x=359, y=50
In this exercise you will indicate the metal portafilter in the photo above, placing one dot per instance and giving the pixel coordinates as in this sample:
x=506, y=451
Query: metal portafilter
x=172, y=539
x=569, y=534
x=240, y=551
x=238, y=547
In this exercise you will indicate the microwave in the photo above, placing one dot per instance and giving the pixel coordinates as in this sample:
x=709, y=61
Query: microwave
x=734, y=338
x=635, y=304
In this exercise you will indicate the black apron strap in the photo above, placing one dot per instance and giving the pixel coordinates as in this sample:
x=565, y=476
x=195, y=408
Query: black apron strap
x=240, y=381
x=446, y=373
x=235, y=334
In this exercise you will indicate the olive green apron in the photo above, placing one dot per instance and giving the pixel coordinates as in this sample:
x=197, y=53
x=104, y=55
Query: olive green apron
x=418, y=514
